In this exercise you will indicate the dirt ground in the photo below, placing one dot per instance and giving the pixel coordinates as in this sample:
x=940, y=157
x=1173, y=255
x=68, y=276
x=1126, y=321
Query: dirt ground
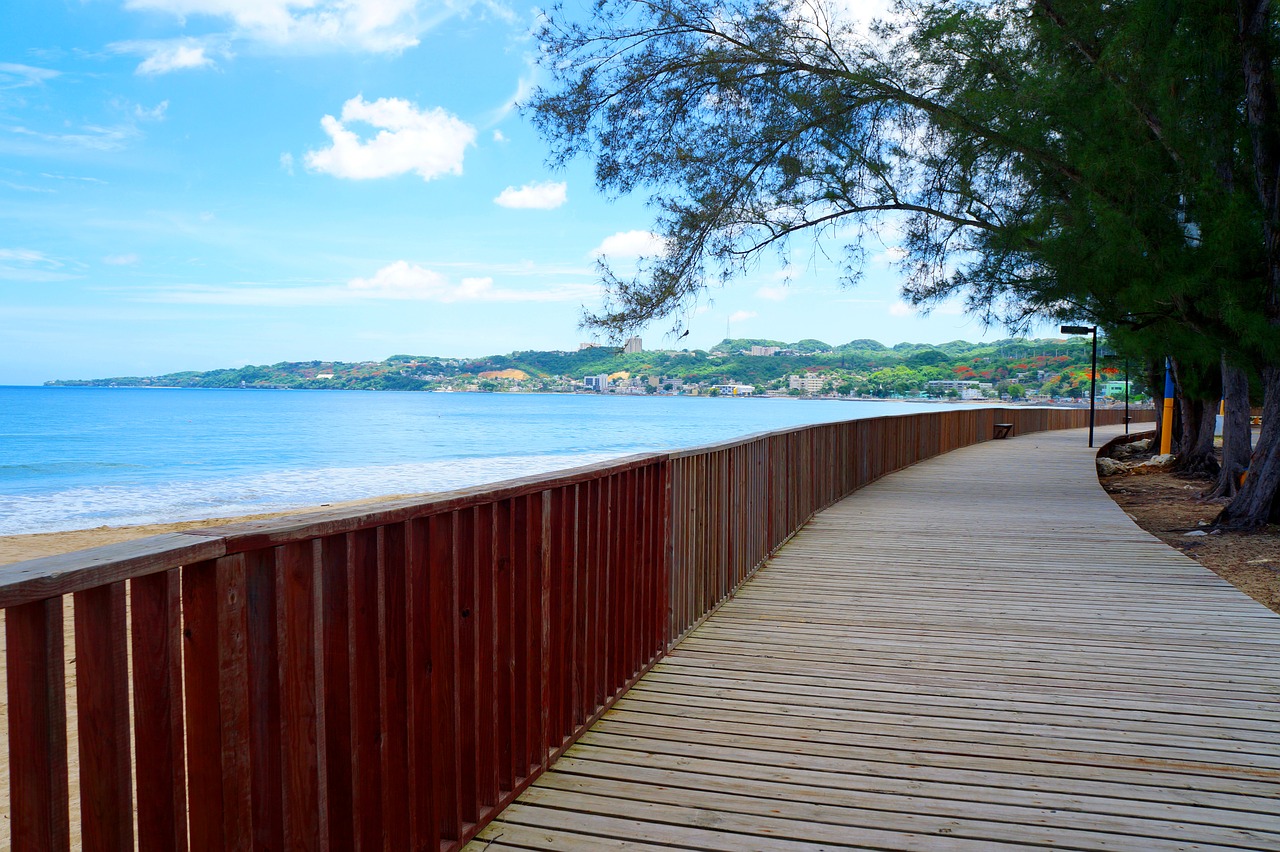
x=1168, y=505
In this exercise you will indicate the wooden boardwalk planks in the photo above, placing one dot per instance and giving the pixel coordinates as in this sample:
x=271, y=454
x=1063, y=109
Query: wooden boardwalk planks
x=979, y=652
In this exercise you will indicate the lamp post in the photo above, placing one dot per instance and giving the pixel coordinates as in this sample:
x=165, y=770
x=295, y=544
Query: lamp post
x=1093, y=376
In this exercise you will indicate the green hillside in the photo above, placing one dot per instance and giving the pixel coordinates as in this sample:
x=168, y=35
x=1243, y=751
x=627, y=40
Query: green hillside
x=863, y=367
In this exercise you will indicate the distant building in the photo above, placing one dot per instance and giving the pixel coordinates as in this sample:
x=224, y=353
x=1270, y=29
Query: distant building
x=633, y=345
x=1114, y=388
x=808, y=383
x=763, y=350
x=582, y=346
x=735, y=389
x=598, y=383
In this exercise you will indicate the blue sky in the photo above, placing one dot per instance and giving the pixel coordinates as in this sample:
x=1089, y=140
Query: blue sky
x=191, y=184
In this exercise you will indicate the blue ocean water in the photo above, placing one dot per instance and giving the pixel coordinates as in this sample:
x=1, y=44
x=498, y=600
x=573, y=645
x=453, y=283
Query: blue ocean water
x=76, y=458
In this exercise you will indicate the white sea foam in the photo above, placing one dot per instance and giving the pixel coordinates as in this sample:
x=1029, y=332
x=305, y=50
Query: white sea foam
x=126, y=505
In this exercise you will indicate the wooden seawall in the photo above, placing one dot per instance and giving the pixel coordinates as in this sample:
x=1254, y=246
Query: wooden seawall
x=980, y=652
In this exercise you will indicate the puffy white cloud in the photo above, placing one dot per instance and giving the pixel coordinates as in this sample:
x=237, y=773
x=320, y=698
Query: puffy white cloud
x=631, y=244
x=499, y=136
x=286, y=162
x=547, y=195
x=430, y=142
x=739, y=316
x=900, y=309
x=371, y=25
x=773, y=294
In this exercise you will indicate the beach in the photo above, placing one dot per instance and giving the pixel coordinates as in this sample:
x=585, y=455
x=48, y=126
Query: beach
x=17, y=548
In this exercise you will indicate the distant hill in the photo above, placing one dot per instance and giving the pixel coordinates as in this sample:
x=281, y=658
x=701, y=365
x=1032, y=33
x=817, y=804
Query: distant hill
x=859, y=366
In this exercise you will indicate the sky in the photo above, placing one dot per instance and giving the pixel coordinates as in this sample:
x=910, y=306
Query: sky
x=194, y=184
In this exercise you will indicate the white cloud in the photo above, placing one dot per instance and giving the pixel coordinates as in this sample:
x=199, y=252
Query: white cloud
x=368, y=25
x=547, y=195
x=403, y=280
x=630, y=244
x=430, y=142
x=739, y=316
x=901, y=309
x=93, y=137
x=773, y=294
x=26, y=256
x=524, y=88
x=286, y=162
x=499, y=137
x=890, y=256
x=120, y=259
x=15, y=76
x=156, y=113
x=398, y=281
x=29, y=265
x=167, y=57
x=73, y=177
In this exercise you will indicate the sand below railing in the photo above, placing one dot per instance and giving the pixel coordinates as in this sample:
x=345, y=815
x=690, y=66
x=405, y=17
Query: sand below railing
x=16, y=548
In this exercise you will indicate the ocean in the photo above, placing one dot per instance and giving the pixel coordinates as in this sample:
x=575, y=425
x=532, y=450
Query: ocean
x=78, y=458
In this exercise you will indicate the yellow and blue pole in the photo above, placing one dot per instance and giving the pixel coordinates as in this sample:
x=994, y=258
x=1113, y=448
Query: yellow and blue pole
x=1166, y=423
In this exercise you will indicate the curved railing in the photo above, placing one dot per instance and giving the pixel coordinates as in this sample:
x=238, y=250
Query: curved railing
x=392, y=677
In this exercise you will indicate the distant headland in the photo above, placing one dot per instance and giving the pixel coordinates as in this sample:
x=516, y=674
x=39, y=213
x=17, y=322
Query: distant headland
x=1041, y=369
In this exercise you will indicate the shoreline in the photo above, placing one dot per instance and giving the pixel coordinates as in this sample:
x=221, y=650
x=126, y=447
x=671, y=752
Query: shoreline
x=19, y=548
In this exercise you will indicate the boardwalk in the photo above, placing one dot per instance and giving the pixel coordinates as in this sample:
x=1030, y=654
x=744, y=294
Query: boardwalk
x=981, y=652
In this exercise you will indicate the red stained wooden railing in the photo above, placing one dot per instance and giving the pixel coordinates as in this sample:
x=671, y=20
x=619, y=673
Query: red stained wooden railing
x=392, y=678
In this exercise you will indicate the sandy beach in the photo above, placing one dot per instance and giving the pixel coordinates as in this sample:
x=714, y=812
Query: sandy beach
x=16, y=548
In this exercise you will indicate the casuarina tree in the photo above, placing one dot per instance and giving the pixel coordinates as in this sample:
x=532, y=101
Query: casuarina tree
x=1042, y=159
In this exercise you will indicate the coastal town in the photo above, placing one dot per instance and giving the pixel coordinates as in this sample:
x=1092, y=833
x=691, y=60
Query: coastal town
x=1045, y=371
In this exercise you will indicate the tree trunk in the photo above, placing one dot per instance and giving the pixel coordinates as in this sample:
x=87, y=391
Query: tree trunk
x=1256, y=503
x=1199, y=417
x=1237, y=437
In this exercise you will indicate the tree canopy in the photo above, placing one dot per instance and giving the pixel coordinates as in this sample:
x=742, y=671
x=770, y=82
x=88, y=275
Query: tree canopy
x=1054, y=159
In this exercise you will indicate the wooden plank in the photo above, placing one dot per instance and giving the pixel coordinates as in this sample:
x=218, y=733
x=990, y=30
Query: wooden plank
x=102, y=694
x=364, y=654
x=38, y=782
x=442, y=668
x=159, y=735
x=488, y=762
x=304, y=794
x=216, y=670
x=263, y=634
x=397, y=562
x=335, y=638
x=466, y=558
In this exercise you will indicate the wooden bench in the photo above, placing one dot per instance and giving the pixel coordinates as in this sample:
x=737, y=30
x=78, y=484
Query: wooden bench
x=1004, y=430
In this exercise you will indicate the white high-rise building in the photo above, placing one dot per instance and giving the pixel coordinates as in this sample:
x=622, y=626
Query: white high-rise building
x=633, y=345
